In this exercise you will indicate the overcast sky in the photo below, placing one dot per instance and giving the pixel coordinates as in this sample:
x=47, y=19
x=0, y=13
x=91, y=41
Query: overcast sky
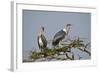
x=53, y=22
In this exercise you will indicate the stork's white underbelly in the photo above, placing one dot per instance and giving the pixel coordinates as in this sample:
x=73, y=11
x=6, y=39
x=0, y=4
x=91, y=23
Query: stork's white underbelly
x=40, y=42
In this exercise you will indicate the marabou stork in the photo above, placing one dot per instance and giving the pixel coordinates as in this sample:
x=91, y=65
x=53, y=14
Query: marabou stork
x=59, y=36
x=42, y=42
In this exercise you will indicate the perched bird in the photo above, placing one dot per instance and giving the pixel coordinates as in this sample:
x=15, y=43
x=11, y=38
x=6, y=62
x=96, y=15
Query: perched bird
x=42, y=42
x=59, y=36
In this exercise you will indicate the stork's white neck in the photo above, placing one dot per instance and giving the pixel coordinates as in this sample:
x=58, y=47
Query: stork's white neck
x=65, y=30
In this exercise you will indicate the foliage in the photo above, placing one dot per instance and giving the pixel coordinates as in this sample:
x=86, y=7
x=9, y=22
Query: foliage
x=51, y=52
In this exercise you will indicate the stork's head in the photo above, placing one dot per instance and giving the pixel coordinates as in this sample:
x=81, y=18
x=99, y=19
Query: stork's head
x=67, y=28
x=41, y=31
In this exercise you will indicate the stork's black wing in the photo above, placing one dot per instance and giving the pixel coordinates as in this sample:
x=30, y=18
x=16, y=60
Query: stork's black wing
x=38, y=41
x=58, y=37
x=44, y=41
